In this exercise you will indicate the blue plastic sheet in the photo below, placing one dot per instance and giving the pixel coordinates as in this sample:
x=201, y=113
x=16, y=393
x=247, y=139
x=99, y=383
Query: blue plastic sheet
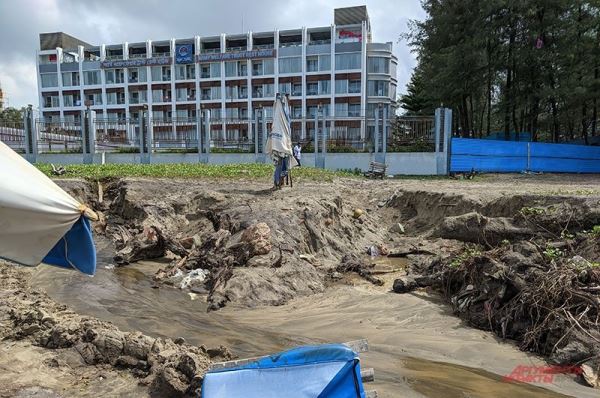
x=331, y=371
x=509, y=156
x=75, y=250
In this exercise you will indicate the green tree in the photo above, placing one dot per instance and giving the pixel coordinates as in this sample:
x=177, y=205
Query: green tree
x=11, y=116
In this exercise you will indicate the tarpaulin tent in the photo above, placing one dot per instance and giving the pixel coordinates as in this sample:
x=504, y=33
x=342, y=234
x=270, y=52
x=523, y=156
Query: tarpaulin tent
x=330, y=370
x=39, y=222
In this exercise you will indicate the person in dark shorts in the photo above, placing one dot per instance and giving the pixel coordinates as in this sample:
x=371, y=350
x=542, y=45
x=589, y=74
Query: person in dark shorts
x=298, y=153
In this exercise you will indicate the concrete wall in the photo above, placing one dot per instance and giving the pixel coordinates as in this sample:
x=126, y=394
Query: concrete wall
x=409, y=163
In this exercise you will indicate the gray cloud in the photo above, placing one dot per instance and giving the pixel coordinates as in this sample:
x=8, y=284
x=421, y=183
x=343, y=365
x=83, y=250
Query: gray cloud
x=115, y=21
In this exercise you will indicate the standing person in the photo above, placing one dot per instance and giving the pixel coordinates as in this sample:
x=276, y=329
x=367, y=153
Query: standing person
x=298, y=153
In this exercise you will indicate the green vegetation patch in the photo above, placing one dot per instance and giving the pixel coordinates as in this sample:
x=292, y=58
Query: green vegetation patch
x=192, y=170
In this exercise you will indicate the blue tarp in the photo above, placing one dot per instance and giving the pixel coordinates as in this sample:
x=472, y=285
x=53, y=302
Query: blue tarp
x=75, y=250
x=331, y=370
x=491, y=156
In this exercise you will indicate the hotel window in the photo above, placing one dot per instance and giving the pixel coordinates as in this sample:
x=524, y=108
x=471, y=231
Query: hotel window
x=285, y=88
x=312, y=88
x=242, y=68
x=180, y=72
x=166, y=73
x=70, y=79
x=268, y=66
x=268, y=112
x=297, y=90
x=290, y=65
x=378, y=65
x=341, y=86
x=137, y=97
x=49, y=79
x=354, y=110
x=215, y=114
x=182, y=94
x=324, y=62
x=347, y=61
x=257, y=68
x=185, y=72
x=182, y=113
x=378, y=88
x=113, y=76
x=263, y=67
x=51, y=101
x=157, y=96
x=324, y=87
x=297, y=112
x=156, y=73
x=354, y=86
x=111, y=98
x=215, y=69
x=95, y=98
x=137, y=75
x=341, y=109
x=312, y=64
x=231, y=69
x=91, y=77
x=71, y=100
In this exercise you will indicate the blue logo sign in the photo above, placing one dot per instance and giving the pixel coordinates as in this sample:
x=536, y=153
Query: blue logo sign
x=184, y=54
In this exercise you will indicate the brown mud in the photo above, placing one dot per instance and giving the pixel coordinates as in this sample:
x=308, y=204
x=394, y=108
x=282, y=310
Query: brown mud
x=304, y=252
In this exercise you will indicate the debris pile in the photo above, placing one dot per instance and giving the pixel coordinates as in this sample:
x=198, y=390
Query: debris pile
x=533, y=277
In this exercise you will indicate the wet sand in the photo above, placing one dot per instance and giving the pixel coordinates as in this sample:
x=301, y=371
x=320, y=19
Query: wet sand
x=417, y=347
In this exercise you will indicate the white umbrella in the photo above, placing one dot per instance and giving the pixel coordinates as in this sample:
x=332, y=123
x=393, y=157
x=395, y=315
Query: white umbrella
x=39, y=222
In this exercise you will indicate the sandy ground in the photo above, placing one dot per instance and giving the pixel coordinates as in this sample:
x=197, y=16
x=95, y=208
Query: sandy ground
x=418, y=348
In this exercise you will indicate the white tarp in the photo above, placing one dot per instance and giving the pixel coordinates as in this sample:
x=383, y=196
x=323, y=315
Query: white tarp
x=279, y=142
x=35, y=213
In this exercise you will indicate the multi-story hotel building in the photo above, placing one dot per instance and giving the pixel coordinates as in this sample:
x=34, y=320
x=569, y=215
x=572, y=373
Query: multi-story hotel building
x=336, y=68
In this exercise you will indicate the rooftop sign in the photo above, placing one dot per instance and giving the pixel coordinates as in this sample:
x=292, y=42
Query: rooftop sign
x=129, y=63
x=233, y=56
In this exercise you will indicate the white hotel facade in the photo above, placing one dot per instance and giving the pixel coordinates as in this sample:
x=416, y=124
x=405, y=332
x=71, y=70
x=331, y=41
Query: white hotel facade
x=337, y=69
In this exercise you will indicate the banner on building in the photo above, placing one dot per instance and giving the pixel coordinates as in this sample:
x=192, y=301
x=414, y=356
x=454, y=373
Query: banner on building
x=233, y=56
x=349, y=36
x=184, y=54
x=132, y=63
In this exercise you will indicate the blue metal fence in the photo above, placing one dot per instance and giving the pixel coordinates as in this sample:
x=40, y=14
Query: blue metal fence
x=509, y=156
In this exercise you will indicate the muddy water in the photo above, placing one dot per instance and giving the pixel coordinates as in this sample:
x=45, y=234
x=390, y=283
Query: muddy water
x=417, y=349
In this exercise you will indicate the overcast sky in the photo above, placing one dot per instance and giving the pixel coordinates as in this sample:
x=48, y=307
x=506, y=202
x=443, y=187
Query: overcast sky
x=116, y=21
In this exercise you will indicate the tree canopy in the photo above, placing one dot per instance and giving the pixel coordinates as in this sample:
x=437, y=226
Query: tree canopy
x=11, y=116
x=509, y=66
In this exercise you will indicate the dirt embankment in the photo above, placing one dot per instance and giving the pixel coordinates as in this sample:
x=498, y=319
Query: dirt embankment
x=248, y=247
x=527, y=267
x=163, y=367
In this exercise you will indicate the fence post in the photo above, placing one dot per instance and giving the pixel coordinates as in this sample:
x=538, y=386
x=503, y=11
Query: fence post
x=376, y=138
x=30, y=135
x=145, y=140
x=447, y=139
x=316, y=137
x=88, y=137
x=438, y=129
x=255, y=135
x=325, y=136
x=206, y=136
x=199, y=120
x=384, y=133
x=265, y=133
